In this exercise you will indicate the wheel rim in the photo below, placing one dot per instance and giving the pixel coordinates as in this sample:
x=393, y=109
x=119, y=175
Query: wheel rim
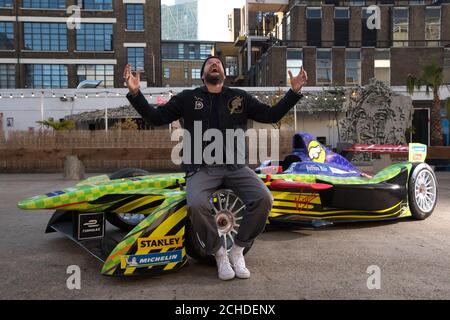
x=425, y=191
x=228, y=213
x=131, y=218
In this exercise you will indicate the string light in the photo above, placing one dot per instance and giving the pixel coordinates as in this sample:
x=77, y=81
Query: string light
x=1, y=96
x=86, y=96
x=11, y=96
x=74, y=96
x=32, y=94
x=53, y=95
x=21, y=94
x=96, y=94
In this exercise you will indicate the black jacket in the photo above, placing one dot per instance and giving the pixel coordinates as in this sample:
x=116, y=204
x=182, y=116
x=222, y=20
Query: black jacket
x=234, y=108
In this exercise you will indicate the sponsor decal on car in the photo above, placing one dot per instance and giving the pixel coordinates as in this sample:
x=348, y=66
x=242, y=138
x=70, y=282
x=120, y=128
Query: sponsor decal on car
x=160, y=243
x=151, y=259
x=90, y=226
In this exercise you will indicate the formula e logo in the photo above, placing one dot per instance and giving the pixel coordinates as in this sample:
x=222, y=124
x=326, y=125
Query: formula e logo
x=91, y=224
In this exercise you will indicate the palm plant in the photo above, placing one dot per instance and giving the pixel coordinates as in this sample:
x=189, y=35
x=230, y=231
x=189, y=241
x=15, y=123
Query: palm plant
x=432, y=78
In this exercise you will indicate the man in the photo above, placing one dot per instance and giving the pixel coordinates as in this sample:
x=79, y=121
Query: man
x=215, y=106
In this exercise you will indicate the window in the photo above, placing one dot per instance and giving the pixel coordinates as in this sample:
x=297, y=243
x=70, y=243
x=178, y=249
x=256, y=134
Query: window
x=186, y=73
x=352, y=67
x=50, y=4
x=231, y=63
x=205, y=50
x=95, y=37
x=400, y=27
x=369, y=36
x=7, y=76
x=192, y=51
x=166, y=73
x=41, y=36
x=288, y=27
x=135, y=17
x=314, y=27
x=341, y=26
x=357, y=2
x=136, y=58
x=103, y=72
x=433, y=26
x=323, y=66
x=447, y=65
x=6, y=36
x=294, y=61
x=382, y=65
x=180, y=51
x=6, y=3
x=97, y=4
x=46, y=76
x=195, y=73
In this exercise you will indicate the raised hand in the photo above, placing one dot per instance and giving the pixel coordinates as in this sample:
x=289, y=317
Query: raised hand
x=298, y=81
x=133, y=82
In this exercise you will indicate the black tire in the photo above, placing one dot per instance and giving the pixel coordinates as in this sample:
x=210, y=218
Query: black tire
x=192, y=243
x=421, y=175
x=114, y=218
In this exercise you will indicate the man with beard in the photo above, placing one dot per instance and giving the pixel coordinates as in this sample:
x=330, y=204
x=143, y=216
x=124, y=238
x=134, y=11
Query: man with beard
x=215, y=106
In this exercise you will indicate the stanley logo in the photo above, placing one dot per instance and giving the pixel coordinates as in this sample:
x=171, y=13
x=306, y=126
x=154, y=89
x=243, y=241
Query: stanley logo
x=159, y=243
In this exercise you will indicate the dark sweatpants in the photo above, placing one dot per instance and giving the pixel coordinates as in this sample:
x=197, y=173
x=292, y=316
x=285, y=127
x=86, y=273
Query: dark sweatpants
x=247, y=185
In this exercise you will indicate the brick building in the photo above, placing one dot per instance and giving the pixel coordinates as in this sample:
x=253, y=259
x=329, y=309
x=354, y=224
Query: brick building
x=182, y=61
x=335, y=41
x=39, y=48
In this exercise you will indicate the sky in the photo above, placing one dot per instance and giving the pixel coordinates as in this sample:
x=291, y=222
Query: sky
x=213, y=18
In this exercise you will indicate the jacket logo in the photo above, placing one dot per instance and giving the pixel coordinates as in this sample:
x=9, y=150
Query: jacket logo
x=235, y=105
x=198, y=104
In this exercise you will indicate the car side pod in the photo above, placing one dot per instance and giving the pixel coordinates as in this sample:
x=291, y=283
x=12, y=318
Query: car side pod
x=156, y=245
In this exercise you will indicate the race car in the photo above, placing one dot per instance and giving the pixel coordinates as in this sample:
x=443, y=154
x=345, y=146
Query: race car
x=149, y=230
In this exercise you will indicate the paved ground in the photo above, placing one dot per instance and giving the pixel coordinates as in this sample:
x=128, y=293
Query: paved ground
x=414, y=258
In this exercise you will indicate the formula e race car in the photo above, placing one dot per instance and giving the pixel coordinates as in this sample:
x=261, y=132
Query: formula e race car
x=149, y=231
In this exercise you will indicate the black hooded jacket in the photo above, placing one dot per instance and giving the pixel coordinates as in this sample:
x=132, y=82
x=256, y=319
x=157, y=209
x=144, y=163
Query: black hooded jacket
x=233, y=107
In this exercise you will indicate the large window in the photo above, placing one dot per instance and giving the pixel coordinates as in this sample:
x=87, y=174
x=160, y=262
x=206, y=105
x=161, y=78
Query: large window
x=341, y=26
x=383, y=65
x=46, y=76
x=433, y=26
x=166, y=73
x=231, y=65
x=41, y=36
x=95, y=37
x=294, y=61
x=323, y=66
x=6, y=3
x=314, y=27
x=369, y=36
x=103, y=72
x=205, y=51
x=195, y=73
x=6, y=36
x=7, y=76
x=97, y=4
x=352, y=67
x=135, y=17
x=136, y=58
x=46, y=4
x=400, y=27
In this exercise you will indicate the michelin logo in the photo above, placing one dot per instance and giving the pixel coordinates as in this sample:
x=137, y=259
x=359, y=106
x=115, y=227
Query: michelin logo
x=152, y=259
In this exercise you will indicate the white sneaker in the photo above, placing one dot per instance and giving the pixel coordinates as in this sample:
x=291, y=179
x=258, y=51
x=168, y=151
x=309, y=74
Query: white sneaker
x=224, y=269
x=238, y=262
